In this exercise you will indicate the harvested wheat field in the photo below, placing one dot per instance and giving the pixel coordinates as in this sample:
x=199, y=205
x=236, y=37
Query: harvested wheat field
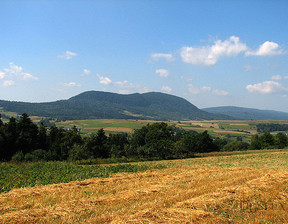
x=202, y=190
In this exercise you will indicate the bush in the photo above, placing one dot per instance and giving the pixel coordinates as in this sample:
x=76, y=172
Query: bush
x=78, y=152
x=18, y=156
x=36, y=155
x=236, y=146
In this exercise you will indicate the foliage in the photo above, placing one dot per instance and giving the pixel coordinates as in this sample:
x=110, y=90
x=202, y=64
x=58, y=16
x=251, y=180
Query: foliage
x=14, y=175
x=268, y=141
x=236, y=146
x=22, y=140
x=271, y=127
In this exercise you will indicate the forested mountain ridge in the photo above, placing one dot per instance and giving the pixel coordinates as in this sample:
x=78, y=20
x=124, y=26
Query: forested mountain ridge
x=241, y=113
x=100, y=105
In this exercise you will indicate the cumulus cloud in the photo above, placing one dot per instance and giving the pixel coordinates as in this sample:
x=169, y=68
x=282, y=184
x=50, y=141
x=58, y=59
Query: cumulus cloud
x=247, y=68
x=209, y=55
x=157, y=56
x=2, y=75
x=266, y=49
x=128, y=87
x=72, y=84
x=267, y=87
x=16, y=72
x=27, y=76
x=276, y=77
x=220, y=92
x=124, y=84
x=68, y=55
x=192, y=89
x=8, y=83
x=104, y=80
x=162, y=73
x=206, y=88
x=166, y=89
x=86, y=72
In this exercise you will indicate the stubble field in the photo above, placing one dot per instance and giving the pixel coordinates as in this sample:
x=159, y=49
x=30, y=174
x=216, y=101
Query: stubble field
x=240, y=188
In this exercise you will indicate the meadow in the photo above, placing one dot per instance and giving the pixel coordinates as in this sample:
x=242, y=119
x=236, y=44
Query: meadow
x=234, y=187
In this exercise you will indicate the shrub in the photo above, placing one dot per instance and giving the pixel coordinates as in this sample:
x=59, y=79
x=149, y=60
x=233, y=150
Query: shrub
x=18, y=156
x=236, y=146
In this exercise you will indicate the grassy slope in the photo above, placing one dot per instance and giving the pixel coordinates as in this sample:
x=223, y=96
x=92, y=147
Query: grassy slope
x=249, y=188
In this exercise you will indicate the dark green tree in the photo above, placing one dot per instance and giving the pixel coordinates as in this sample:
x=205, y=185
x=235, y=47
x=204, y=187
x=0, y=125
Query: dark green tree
x=236, y=146
x=205, y=143
x=267, y=141
x=255, y=142
x=27, y=139
x=281, y=140
x=96, y=144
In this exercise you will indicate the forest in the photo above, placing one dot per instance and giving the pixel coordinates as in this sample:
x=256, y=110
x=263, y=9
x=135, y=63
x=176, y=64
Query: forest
x=23, y=140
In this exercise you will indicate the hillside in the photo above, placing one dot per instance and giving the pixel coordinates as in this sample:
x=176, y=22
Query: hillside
x=100, y=105
x=241, y=113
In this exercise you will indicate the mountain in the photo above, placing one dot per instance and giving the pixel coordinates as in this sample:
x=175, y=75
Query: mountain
x=99, y=105
x=241, y=113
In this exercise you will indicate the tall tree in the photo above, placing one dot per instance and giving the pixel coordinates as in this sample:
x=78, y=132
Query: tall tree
x=27, y=138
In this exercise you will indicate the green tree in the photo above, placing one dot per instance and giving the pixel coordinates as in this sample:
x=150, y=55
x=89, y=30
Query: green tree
x=255, y=142
x=27, y=138
x=267, y=141
x=97, y=144
x=236, y=146
x=281, y=140
x=205, y=143
x=78, y=152
x=117, y=143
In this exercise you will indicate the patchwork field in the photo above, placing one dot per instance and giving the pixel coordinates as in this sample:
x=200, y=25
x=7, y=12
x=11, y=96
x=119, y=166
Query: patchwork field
x=221, y=188
x=230, y=129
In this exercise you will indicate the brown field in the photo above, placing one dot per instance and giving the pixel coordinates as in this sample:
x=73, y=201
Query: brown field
x=119, y=129
x=202, y=190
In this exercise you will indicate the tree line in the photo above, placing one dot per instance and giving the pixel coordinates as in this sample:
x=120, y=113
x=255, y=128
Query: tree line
x=22, y=140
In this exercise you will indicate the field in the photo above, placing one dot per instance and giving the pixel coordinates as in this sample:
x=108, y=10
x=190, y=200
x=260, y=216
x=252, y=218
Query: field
x=250, y=187
x=231, y=129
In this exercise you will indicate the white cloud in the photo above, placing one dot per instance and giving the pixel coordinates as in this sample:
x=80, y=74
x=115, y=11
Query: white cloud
x=192, y=89
x=162, y=73
x=68, y=55
x=16, y=72
x=247, y=68
x=27, y=76
x=266, y=87
x=124, y=91
x=187, y=79
x=124, y=84
x=276, y=77
x=166, y=89
x=266, y=49
x=206, y=88
x=286, y=77
x=157, y=56
x=209, y=55
x=220, y=92
x=104, y=80
x=8, y=83
x=72, y=84
x=86, y=72
x=2, y=75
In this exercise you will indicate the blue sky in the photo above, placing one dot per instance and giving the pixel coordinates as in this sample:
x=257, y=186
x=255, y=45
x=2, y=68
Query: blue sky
x=212, y=53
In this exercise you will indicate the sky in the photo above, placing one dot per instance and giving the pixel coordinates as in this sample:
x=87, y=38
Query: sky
x=212, y=53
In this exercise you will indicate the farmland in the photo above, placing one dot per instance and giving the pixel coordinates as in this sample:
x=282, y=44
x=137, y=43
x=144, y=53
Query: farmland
x=249, y=187
x=220, y=128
